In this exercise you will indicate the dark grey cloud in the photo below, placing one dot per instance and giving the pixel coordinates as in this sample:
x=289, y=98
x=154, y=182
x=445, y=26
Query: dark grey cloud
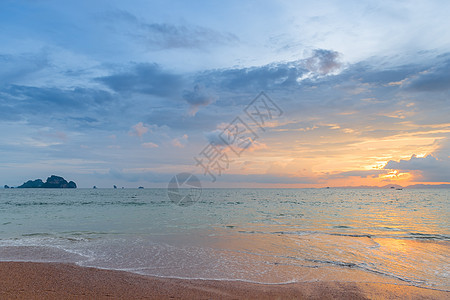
x=145, y=78
x=198, y=97
x=432, y=75
x=251, y=80
x=435, y=79
x=275, y=76
x=41, y=104
x=213, y=137
x=177, y=119
x=17, y=67
x=324, y=61
x=358, y=173
x=431, y=168
x=366, y=72
x=159, y=36
x=137, y=86
x=42, y=97
x=148, y=93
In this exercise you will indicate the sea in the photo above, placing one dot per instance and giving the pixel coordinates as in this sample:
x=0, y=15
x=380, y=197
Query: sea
x=270, y=236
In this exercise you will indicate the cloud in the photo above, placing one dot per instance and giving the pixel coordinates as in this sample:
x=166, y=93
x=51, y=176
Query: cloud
x=85, y=108
x=274, y=76
x=138, y=130
x=161, y=36
x=144, y=78
x=149, y=145
x=255, y=145
x=323, y=62
x=443, y=149
x=377, y=111
x=254, y=78
x=180, y=142
x=214, y=138
x=247, y=144
x=17, y=67
x=358, y=173
x=434, y=79
x=198, y=97
x=40, y=105
x=430, y=168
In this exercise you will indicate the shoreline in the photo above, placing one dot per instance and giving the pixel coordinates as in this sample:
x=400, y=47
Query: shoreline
x=25, y=280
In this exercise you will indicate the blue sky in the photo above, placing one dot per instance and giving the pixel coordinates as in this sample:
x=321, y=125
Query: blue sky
x=109, y=92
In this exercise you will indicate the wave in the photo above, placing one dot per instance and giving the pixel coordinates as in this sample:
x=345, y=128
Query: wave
x=81, y=203
x=411, y=235
x=427, y=236
x=414, y=282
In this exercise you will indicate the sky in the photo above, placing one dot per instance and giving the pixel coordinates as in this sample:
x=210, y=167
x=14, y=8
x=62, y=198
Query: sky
x=131, y=93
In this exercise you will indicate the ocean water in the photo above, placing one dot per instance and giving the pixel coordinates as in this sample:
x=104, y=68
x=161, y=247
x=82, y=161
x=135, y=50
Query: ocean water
x=258, y=235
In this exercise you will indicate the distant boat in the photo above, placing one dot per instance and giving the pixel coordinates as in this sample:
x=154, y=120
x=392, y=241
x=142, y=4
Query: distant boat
x=94, y=187
x=141, y=187
x=399, y=189
x=115, y=187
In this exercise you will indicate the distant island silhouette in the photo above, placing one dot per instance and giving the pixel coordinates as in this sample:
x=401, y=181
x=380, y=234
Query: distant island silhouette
x=53, y=182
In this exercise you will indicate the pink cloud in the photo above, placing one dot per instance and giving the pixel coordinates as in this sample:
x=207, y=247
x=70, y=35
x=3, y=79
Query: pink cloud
x=149, y=145
x=180, y=142
x=138, y=130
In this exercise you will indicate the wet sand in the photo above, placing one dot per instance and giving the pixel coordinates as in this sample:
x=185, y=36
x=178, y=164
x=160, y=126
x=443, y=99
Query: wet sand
x=24, y=280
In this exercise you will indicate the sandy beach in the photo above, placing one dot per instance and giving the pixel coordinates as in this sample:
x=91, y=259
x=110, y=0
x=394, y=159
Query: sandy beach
x=24, y=280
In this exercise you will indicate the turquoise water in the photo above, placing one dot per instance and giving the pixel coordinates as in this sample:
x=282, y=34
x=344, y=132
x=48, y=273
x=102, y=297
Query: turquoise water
x=260, y=235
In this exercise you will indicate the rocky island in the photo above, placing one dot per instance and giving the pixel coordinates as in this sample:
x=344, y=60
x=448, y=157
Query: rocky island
x=53, y=182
